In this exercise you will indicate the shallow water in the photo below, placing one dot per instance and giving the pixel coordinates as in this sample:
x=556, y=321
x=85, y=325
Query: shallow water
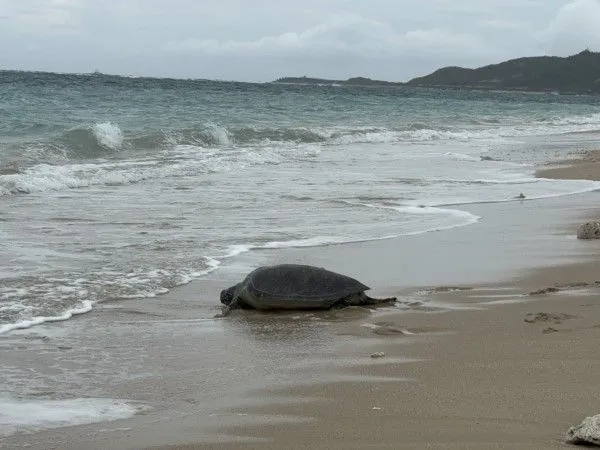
x=113, y=189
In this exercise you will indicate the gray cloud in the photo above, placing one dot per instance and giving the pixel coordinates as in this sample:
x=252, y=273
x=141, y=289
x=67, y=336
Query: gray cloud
x=347, y=34
x=260, y=40
x=576, y=26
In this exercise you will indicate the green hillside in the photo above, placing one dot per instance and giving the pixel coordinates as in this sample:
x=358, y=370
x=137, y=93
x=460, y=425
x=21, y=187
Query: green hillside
x=578, y=74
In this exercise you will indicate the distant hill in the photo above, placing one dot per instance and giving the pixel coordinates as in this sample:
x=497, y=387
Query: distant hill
x=576, y=74
x=357, y=81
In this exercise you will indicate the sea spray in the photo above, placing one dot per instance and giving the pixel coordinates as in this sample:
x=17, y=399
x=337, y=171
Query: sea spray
x=108, y=135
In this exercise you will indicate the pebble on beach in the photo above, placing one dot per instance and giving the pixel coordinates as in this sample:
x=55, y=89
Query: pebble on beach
x=586, y=433
x=589, y=230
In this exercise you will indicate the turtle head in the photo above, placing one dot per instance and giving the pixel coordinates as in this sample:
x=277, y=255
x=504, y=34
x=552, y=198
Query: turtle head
x=227, y=295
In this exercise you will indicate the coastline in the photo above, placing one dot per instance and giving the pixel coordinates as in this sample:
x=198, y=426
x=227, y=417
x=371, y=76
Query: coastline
x=513, y=375
x=470, y=372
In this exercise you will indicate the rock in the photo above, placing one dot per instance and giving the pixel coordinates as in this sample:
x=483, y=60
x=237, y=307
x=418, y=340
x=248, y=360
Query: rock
x=586, y=433
x=547, y=317
x=521, y=196
x=377, y=355
x=549, y=290
x=589, y=230
x=549, y=330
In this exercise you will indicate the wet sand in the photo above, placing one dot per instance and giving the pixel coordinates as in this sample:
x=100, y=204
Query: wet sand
x=515, y=376
x=499, y=363
x=584, y=167
x=513, y=372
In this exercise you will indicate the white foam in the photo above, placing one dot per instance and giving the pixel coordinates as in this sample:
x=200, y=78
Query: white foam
x=315, y=241
x=495, y=133
x=188, y=160
x=234, y=250
x=218, y=133
x=108, y=135
x=140, y=283
x=27, y=416
x=563, y=188
x=463, y=157
x=586, y=120
x=86, y=306
x=466, y=218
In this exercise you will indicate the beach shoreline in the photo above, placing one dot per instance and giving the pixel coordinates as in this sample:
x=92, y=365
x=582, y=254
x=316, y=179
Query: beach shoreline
x=515, y=371
x=462, y=367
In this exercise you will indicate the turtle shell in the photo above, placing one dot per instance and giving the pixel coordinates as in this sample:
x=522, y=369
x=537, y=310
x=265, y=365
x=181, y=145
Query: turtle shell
x=294, y=282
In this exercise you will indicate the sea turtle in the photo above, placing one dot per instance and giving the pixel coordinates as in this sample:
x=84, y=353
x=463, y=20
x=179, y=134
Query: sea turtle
x=295, y=286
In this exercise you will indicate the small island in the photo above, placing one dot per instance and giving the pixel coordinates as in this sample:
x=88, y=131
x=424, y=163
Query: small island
x=577, y=74
x=356, y=81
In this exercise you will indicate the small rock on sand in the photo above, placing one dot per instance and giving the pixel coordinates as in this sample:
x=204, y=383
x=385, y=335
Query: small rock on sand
x=548, y=290
x=589, y=230
x=549, y=330
x=586, y=433
x=547, y=317
x=377, y=355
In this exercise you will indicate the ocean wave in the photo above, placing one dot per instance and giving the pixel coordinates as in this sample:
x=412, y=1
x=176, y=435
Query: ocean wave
x=463, y=218
x=30, y=302
x=100, y=140
x=105, y=138
x=577, y=120
x=84, y=307
x=46, y=178
x=108, y=135
x=182, y=161
x=91, y=141
x=466, y=217
x=463, y=157
x=19, y=415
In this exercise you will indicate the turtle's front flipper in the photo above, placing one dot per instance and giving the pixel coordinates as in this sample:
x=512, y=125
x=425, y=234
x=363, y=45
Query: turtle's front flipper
x=226, y=310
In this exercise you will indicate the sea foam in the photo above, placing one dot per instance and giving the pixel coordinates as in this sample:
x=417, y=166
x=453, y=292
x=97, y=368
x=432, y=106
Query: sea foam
x=27, y=416
x=86, y=306
x=108, y=135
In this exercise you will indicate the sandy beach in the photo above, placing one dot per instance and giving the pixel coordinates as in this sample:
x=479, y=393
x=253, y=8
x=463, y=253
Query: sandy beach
x=478, y=353
x=515, y=371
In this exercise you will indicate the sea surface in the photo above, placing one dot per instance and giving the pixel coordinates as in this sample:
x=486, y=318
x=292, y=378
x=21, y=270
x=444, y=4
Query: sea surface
x=115, y=188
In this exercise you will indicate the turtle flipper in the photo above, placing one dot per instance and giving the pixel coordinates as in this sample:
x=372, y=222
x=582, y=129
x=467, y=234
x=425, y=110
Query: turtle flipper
x=226, y=310
x=366, y=300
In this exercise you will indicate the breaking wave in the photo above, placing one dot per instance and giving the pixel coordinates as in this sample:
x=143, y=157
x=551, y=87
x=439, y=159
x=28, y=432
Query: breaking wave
x=108, y=135
x=182, y=161
x=108, y=138
x=58, y=299
x=89, y=142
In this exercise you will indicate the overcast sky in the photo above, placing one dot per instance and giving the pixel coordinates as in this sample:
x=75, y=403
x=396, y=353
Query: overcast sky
x=259, y=40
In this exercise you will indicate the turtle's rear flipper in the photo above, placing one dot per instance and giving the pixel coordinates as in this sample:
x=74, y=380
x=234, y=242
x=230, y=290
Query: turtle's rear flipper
x=366, y=300
x=363, y=299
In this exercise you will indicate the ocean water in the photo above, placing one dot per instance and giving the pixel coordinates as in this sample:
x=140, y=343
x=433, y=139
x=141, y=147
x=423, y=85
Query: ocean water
x=118, y=188
x=114, y=188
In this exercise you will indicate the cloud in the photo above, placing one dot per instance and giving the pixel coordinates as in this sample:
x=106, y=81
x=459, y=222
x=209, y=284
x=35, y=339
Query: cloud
x=342, y=34
x=40, y=17
x=575, y=27
x=500, y=25
x=238, y=39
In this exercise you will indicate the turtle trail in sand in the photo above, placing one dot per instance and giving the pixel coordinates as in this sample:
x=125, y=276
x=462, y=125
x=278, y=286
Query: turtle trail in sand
x=294, y=286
